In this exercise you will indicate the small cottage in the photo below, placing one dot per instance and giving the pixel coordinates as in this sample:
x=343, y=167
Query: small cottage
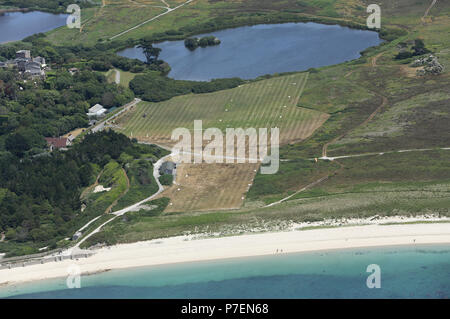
x=167, y=168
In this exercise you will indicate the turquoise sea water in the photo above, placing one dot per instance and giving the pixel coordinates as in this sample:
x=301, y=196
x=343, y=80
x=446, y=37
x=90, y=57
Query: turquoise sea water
x=406, y=272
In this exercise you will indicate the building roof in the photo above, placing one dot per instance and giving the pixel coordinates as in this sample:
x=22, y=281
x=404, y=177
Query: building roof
x=39, y=59
x=58, y=142
x=96, y=108
x=167, y=167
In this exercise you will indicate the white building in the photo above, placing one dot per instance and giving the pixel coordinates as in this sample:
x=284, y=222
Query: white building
x=97, y=110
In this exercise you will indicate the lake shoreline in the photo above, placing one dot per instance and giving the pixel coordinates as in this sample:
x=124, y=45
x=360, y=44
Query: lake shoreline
x=14, y=10
x=256, y=58
x=185, y=249
x=18, y=24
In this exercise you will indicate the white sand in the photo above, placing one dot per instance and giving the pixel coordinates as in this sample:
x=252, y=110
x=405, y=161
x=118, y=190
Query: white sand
x=100, y=188
x=184, y=249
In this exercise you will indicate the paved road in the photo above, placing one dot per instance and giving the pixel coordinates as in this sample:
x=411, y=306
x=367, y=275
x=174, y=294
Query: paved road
x=101, y=125
x=117, y=76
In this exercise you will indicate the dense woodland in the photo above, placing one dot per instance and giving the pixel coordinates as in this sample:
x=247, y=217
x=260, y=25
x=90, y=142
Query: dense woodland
x=33, y=109
x=40, y=191
x=156, y=88
x=40, y=196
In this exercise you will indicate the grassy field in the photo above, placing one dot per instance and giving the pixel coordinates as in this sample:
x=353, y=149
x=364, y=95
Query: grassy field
x=210, y=186
x=263, y=104
x=102, y=23
x=125, y=76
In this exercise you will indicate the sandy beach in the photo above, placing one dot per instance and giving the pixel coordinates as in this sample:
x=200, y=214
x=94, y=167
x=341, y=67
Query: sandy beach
x=187, y=249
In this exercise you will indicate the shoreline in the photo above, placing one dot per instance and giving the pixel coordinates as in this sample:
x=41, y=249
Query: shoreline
x=184, y=249
x=14, y=10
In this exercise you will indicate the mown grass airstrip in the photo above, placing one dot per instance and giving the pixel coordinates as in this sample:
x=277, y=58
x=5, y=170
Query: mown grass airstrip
x=262, y=104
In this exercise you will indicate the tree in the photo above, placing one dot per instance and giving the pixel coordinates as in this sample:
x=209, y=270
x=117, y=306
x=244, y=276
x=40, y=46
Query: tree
x=419, y=47
x=191, y=43
x=17, y=144
x=151, y=53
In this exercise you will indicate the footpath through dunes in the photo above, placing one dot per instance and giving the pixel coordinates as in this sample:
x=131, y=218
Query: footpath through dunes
x=262, y=104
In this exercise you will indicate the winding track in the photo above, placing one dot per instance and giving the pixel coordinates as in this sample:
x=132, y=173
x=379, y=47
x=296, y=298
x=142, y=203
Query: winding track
x=125, y=210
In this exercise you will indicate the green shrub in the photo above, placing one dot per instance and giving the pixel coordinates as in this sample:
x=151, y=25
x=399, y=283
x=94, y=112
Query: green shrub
x=166, y=179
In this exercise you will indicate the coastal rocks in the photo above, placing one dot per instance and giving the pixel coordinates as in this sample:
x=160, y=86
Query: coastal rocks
x=430, y=65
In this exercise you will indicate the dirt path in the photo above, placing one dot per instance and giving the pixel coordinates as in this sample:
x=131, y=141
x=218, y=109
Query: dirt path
x=371, y=116
x=428, y=10
x=169, y=10
x=375, y=59
x=320, y=180
x=325, y=147
x=387, y=152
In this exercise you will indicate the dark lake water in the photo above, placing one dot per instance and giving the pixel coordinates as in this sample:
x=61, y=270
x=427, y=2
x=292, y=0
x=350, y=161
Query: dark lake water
x=15, y=26
x=251, y=51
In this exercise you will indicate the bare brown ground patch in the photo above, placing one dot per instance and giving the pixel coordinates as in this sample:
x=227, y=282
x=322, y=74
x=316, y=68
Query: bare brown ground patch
x=409, y=71
x=75, y=132
x=201, y=187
